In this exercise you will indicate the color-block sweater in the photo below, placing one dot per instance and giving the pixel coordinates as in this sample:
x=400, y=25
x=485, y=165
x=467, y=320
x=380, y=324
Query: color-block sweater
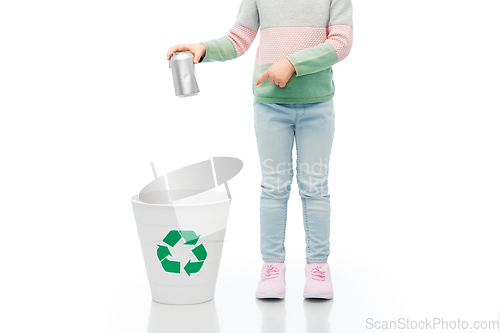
x=312, y=34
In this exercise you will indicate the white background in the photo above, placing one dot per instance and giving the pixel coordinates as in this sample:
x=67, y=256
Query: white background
x=87, y=101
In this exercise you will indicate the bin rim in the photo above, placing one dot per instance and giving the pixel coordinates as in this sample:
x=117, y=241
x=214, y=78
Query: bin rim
x=135, y=199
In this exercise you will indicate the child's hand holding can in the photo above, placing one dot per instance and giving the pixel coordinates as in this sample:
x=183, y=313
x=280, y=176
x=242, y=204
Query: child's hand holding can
x=198, y=51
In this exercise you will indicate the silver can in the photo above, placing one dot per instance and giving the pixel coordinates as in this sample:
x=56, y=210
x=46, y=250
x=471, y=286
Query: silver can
x=183, y=73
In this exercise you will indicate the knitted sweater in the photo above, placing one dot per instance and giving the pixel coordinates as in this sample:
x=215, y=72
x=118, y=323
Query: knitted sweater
x=312, y=34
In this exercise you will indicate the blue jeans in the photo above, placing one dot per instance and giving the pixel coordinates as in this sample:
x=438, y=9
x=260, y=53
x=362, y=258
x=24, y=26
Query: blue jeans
x=312, y=126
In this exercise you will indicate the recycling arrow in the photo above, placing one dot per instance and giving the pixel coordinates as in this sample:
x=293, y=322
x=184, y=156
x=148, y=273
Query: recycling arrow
x=199, y=252
x=172, y=239
x=168, y=265
x=193, y=267
x=190, y=237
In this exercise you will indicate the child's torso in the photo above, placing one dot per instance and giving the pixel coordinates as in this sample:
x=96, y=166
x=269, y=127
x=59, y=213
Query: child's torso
x=293, y=13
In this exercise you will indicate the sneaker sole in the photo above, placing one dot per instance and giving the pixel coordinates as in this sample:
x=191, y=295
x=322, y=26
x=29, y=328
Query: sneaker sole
x=270, y=294
x=316, y=294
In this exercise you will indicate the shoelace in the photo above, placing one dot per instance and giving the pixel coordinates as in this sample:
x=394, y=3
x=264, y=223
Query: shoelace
x=270, y=272
x=317, y=273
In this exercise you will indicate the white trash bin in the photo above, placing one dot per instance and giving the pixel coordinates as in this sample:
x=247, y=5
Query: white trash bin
x=182, y=245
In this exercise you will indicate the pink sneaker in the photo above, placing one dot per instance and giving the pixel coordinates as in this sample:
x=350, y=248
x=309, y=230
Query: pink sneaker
x=318, y=281
x=272, y=280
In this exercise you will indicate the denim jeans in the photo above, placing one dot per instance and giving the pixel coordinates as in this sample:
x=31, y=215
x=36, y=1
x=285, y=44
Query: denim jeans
x=312, y=126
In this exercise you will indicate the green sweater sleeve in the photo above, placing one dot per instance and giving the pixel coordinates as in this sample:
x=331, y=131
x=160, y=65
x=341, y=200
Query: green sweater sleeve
x=338, y=44
x=313, y=59
x=220, y=49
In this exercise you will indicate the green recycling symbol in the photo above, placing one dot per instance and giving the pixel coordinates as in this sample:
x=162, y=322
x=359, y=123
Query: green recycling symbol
x=172, y=238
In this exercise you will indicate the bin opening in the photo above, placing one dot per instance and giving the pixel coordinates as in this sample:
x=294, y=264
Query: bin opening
x=189, y=197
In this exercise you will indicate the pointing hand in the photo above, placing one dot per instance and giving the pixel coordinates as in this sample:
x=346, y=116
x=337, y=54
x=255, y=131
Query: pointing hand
x=278, y=74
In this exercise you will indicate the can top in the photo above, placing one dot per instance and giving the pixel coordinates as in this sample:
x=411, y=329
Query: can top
x=182, y=55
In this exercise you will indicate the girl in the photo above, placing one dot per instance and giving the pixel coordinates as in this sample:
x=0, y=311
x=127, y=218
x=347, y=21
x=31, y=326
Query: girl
x=300, y=40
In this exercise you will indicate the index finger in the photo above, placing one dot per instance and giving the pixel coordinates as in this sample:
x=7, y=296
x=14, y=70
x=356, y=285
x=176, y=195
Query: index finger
x=262, y=78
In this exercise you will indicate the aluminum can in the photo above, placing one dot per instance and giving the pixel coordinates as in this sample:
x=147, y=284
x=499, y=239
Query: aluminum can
x=183, y=73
